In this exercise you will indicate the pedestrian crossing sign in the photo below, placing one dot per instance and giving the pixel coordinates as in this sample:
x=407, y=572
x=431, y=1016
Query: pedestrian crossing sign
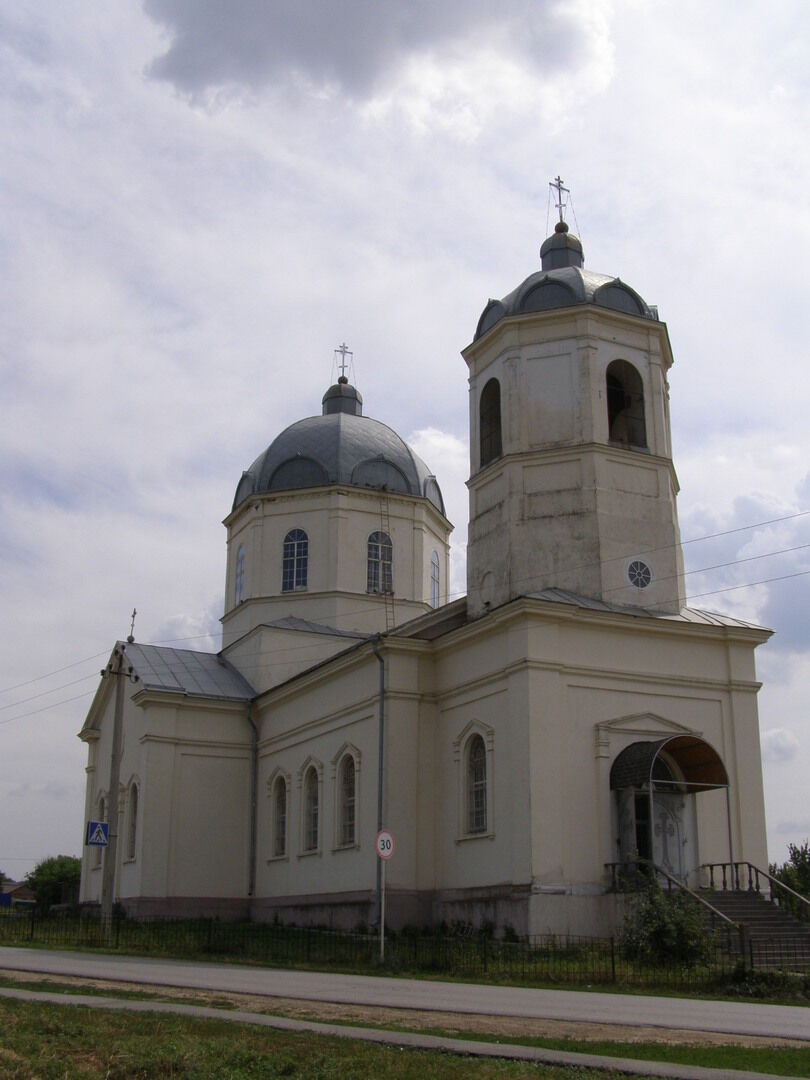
x=97, y=834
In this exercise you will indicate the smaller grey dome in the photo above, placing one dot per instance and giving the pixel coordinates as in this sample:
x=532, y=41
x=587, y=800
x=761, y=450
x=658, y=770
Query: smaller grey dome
x=563, y=282
x=340, y=447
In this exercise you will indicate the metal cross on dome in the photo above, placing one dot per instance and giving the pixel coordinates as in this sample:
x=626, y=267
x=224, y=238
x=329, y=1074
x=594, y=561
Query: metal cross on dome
x=344, y=351
x=557, y=184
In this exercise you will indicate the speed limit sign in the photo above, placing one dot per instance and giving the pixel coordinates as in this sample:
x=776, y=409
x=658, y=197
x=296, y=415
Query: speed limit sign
x=385, y=844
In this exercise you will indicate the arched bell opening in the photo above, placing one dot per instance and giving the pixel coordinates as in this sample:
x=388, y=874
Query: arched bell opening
x=656, y=785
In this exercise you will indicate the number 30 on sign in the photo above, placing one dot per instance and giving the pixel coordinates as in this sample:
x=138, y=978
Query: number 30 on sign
x=385, y=844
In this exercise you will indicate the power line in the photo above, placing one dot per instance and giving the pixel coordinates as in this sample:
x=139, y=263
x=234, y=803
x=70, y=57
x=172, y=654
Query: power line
x=44, y=693
x=57, y=671
x=45, y=708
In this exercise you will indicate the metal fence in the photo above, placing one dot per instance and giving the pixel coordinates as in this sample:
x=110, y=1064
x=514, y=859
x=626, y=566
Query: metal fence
x=571, y=960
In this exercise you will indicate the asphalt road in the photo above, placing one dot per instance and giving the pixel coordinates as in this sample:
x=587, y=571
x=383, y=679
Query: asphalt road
x=782, y=1021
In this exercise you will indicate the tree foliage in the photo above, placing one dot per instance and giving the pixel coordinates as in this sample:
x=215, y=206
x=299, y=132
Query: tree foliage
x=795, y=873
x=55, y=880
x=664, y=928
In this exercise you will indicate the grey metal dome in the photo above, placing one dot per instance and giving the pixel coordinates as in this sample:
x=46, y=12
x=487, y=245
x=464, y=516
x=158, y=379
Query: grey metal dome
x=340, y=447
x=562, y=282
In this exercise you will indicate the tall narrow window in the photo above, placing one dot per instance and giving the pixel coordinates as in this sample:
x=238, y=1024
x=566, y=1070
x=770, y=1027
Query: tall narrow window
x=280, y=817
x=239, y=576
x=434, y=579
x=294, y=562
x=476, y=785
x=132, y=820
x=347, y=801
x=311, y=810
x=490, y=422
x=380, y=557
x=625, y=405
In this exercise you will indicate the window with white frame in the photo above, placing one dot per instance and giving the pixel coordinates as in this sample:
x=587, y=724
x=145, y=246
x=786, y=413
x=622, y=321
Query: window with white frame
x=311, y=809
x=295, y=559
x=279, y=817
x=380, y=563
x=132, y=820
x=476, y=785
x=239, y=576
x=347, y=778
x=434, y=579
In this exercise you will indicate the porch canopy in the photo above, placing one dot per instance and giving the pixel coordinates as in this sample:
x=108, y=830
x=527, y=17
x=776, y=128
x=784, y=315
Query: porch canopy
x=698, y=765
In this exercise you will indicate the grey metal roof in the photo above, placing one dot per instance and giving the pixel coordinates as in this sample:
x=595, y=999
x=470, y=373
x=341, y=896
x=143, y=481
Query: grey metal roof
x=183, y=671
x=562, y=282
x=339, y=448
x=686, y=615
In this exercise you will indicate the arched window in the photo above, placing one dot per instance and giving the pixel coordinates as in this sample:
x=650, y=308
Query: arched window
x=476, y=785
x=489, y=428
x=625, y=404
x=294, y=562
x=132, y=820
x=311, y=809
x=434, y=579
x=239, y=576
x=279, y=811
x=348, y=791
x=380, y=558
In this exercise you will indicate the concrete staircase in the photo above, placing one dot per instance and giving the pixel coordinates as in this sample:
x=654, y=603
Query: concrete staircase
x=773, y=937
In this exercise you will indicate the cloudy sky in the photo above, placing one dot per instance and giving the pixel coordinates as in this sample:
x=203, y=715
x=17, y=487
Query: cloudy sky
x=201, y=199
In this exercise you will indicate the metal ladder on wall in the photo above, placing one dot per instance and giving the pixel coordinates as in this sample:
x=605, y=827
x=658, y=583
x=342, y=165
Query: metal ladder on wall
x=387, y=593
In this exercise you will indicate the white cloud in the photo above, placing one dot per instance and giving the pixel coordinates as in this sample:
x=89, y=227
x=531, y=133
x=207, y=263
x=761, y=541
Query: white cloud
x=779, y=745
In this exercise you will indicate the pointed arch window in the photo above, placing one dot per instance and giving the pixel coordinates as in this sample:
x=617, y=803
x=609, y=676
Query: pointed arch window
x=348, y=801
x=434, y=579
x=294, y=561
x=311, y=809
x=380, y=563
x=279, y=812
x=132, y=820
x=239, y=576
x=489, y=427
x=476, y=785
x=625, y=405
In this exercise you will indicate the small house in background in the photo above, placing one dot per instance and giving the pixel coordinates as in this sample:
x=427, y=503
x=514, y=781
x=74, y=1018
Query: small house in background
x=15, y=894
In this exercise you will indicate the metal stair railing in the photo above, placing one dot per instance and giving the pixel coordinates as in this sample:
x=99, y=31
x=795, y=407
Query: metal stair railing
x=642, y=870
x=731, y=872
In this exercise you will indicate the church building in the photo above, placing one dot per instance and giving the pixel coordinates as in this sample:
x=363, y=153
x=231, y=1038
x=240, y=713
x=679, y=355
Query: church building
x=569, y=715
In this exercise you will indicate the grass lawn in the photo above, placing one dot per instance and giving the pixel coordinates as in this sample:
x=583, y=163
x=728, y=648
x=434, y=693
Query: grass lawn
x=52, y=1042
x=70, y=1042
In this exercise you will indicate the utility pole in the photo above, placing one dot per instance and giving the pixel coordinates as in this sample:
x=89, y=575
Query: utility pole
x=111, y=854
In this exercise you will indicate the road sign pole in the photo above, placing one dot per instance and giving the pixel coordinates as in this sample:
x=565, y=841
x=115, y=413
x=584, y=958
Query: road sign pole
x=382, y=912
x=385, y=849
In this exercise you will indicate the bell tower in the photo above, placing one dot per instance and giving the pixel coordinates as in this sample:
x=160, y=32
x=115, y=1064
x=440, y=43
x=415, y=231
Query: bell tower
x=572, y=484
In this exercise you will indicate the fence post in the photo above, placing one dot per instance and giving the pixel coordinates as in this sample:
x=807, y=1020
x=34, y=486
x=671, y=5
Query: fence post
x=33, y=914
x=612, y=959
x=117, y=928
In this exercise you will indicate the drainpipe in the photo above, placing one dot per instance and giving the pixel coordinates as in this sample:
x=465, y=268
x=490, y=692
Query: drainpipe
x=254, y=780
x=381, y=743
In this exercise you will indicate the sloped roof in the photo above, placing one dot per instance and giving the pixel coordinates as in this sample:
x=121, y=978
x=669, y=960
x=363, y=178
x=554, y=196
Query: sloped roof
x=184, y=671
x=685, y=615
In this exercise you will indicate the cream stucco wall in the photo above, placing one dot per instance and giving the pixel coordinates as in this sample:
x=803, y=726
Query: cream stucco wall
x=562, y=506
x=338, y=522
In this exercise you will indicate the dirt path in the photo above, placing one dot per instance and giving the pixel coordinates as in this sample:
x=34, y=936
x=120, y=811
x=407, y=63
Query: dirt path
x=410, y=1019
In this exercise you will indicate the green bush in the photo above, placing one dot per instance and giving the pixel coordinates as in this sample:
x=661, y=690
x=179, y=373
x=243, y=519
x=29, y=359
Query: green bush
x=664, y=928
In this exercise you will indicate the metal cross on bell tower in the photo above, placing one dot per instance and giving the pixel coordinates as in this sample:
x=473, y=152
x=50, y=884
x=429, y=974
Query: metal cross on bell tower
x=344, y=351
x=558, y=186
